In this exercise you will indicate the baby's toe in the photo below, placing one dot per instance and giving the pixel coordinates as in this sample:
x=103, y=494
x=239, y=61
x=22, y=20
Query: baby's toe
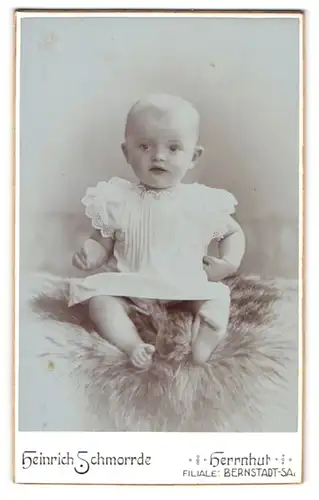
x=141, y=357
x=150, y=349
x=145, y=356
x=140, y=361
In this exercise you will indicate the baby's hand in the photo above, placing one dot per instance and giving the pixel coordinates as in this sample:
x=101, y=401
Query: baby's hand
x=91, y=256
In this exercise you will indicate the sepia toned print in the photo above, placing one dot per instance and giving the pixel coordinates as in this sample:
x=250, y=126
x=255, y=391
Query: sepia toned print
x=159, y=225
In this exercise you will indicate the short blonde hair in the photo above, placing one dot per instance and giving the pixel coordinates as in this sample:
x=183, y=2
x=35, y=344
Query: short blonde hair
x=163, y=104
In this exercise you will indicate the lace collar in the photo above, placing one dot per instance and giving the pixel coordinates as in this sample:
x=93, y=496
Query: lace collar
x=157, y=194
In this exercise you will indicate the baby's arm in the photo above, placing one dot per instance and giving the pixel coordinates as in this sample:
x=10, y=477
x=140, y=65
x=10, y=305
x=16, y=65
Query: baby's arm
x=95, y=252
x=231, y=251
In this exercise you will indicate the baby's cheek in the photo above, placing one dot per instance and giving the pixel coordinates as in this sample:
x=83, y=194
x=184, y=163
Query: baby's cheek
x=182, y=161
x=139, y=164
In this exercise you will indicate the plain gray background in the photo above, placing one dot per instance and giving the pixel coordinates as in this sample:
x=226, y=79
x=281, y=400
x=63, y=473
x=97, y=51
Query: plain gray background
x=79, y=77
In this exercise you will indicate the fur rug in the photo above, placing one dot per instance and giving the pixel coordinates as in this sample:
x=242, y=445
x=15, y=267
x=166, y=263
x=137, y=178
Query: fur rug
x=245, y=374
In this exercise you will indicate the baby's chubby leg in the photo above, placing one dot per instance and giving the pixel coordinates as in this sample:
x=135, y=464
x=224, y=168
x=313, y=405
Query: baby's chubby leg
x=110, y=316
x=210, y=326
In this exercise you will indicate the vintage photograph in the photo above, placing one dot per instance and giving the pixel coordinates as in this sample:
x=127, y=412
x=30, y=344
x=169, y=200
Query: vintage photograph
x=158, y=194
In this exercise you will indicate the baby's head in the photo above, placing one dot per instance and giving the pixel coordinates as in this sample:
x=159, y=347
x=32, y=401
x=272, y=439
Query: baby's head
x=161, y=137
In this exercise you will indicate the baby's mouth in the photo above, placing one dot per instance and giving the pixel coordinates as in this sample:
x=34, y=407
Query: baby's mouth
x=157, y=169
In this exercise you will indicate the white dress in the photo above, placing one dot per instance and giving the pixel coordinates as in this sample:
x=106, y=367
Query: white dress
x=160, y=240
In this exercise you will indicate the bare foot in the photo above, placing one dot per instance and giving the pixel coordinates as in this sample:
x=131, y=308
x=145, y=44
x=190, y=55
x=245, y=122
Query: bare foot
x=141, y=356
x=205, y=343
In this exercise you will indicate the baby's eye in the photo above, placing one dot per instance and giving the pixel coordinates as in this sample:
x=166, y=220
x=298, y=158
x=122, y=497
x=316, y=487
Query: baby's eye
x=144, y=146
x=174, y=147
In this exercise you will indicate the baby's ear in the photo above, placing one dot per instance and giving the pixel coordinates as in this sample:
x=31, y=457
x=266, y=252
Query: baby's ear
x=124, y=149
x=197, y=153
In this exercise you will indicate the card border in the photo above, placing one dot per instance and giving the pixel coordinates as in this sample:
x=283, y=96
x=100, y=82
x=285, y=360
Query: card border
x=301, y=15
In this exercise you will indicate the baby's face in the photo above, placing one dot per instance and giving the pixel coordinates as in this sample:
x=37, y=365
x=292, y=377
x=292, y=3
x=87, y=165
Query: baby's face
x=161, y=149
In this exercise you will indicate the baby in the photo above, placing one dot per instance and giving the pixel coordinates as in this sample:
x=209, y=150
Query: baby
x=156, y=232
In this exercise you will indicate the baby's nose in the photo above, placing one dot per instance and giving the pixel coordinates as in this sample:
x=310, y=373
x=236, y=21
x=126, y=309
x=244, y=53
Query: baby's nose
x=158, y=154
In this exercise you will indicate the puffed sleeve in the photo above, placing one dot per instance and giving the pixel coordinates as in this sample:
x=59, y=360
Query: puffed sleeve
x=224, y=201
x=218, y=204
x=102, y=203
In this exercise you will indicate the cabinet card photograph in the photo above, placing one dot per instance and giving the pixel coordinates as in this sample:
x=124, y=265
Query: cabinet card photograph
x=158, y=247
